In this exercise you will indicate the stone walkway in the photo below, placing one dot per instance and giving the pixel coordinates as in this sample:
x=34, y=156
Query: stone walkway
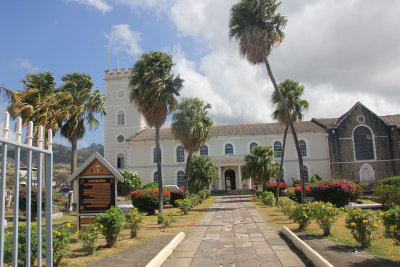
x=233, y=233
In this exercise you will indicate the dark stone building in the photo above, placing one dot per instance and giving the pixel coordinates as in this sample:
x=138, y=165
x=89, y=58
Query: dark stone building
x=362, y=145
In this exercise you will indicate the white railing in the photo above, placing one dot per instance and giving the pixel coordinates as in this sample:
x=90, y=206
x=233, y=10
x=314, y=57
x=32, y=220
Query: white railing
x=8, y=144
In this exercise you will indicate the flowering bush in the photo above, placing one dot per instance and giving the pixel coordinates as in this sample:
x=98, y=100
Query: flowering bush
x=337, y=192
x=391, y=221
x=296, y=193
x=166, y=219
x=302, y=215
x=203, y=194
x=131, y=182
x=147, y=200
x=325, y=214
x=61, y=237
x=363, y=225
x=258, y=193
x=271, y=187
x=388, y=194
x=22, y=200
x=133, y=219
x=184, y=205
x=286, y=207
x=89, y=237
x=269, y=199
x=150, y=185
x=176, y=194
x=195, y=199
x=112, y=225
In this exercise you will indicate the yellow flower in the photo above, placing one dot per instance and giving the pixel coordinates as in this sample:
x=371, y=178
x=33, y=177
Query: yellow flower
x=77, y=232
x=95, y=228
x=329, y=208
x=341, y=208
x=293, y=207
x=375, y=225
x=353, y=224
x=323, y=206
x=58, y=233
x=364, y=215
x=356, y=217
x=391, y=228
x=365, y=221
x=305, y=215
x=101, y=226
x=379, y=221
x=135, y=208
x=325, y=217
x=68, y=225
x=335, y=217
x=395, y=226
x=381, y=213
x=304, y=208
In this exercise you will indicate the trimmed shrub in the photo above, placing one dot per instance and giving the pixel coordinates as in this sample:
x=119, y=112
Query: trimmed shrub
x=286, y=207
x=89, y=238
x=388, y=195
x=271, y=187
x=337, y=192
x=133, y=219
x=8, y=245
x=302, y=215
x=151, y=185
x=395, y=180
x=363, y=224
x=176, y=194
x=295, y=194
x=147, y=200
x=112, y=222
x=195, y=199
x=61, y=237
x=202, y=194
x=325, y=215
x=22, y=200
x=391, y=221
x=269, y=199
x=258, y=193
x=184, y=205
x=166, y=219
x=208, y=191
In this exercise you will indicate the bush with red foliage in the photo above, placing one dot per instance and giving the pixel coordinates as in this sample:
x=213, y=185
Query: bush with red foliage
x=271, y=187
x=337, y=192
x=147, y=200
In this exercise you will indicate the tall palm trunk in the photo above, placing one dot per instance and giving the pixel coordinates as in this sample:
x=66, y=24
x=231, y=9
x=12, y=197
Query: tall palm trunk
x=189, y=159
x=74, y=154
x=281, y=166
x=296, y=141
x=160, y=182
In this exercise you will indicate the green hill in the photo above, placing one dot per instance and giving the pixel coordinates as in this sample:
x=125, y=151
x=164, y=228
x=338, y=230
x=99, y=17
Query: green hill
x=62, y=154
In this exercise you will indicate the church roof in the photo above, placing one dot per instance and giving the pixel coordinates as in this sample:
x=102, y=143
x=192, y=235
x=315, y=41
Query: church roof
x=236, y=130
x=389, y=119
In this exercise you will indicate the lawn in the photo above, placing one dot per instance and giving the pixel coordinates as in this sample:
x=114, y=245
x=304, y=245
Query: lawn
x=149, y=230
x=381, y=247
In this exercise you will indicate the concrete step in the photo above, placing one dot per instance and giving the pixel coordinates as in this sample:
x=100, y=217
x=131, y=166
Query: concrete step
x=232, y=192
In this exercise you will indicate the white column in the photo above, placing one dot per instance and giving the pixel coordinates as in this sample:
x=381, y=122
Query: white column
x=240, y=178
x=220, y=178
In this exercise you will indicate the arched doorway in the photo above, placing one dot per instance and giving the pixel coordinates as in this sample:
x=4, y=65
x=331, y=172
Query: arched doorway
x=230, y=180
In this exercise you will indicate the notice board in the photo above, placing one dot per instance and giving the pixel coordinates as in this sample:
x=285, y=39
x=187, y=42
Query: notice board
x=96, y=195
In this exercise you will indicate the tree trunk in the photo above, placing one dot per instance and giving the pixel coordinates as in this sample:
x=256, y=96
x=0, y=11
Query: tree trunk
x=189, y=159
x=160, y=182
x=281, y=166
x=296, y=141
x=74, y=154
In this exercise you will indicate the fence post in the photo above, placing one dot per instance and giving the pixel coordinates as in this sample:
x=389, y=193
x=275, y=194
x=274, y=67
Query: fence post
x=3, y=184
x=39, y=198
x=29, y=138
x=49, y=200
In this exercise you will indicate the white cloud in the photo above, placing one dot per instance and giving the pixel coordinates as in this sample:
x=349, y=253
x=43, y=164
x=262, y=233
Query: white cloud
x=122, y=38
x=101, y=5
x=24, y=64
x=158, y=5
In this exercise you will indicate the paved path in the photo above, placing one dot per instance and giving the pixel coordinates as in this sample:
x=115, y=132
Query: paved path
x=233, y=233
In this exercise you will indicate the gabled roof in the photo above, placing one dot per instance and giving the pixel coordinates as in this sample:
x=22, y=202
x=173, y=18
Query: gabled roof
x=235, y=130
x=388, y=119
x=87, y=162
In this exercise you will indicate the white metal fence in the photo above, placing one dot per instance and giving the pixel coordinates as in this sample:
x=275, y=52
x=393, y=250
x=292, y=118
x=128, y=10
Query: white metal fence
x=45, y=173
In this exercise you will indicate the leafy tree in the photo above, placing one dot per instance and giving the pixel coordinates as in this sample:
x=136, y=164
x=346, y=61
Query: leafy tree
x=39, y=102
x=202, y=172
x=85, y=104
x=260, y=165
x=192, y=127
x=258, y=27
x=61, y=174
x=154, y=90
x=292, y=91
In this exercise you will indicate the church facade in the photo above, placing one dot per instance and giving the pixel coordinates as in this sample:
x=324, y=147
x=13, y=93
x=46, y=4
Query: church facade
x=358, y=146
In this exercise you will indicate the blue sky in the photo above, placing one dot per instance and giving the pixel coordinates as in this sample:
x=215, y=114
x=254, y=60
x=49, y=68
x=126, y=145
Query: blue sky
x=335, y=48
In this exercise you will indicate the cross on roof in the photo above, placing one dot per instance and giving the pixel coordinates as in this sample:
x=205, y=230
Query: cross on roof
x=97, y=165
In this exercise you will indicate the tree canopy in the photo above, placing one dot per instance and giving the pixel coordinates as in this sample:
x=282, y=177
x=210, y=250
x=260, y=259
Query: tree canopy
x=202, y=173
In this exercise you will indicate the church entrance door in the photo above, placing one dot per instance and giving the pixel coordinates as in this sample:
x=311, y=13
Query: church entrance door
x=230, y=180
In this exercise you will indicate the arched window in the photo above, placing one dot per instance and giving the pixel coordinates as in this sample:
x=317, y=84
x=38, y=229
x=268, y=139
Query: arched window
x=305, y=171
x=155, y=155
x=363, y=143
x=204, y=150
x=180, y=179
x=303, y=148
x=252, y=145
x=121, y=118
x=155, y=177
x=120, y=161
x=180, y=154
x=278, y=149
x=228, y=149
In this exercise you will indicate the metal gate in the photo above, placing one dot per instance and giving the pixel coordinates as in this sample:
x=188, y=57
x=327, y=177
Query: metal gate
x=7, y=144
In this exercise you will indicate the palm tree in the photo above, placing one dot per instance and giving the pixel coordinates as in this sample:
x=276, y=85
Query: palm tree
x=40, y=102
x=257, y=27
x=85, y=104
x=192, y=127
x=202, y=172
x=292, y=92
x=154, y=88
x=260, y=165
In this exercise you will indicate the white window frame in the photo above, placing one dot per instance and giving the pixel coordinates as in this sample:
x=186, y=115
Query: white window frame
x=208, y=149
x=176, y=154
x=124, y=160
x=373, y=143
x=251, y=142
x=273, y=148
x=176, y=175
x=233, y=149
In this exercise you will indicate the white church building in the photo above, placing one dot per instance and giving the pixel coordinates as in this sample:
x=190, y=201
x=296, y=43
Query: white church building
x=358, y=153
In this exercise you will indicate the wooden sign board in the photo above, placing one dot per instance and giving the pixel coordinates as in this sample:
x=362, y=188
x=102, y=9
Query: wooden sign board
x=96, y=195
x=87, y=220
